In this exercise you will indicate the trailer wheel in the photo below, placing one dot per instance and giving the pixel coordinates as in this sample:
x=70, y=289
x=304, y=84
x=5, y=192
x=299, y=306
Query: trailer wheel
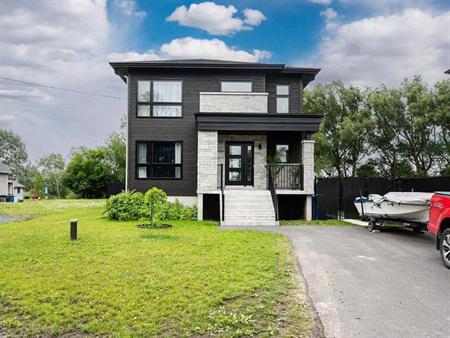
x=371, y=226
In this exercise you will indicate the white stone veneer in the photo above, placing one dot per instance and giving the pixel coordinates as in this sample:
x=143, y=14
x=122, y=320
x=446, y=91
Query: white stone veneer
x=224, y=102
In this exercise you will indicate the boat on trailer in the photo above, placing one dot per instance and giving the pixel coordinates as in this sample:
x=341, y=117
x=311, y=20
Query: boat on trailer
x=409, y=209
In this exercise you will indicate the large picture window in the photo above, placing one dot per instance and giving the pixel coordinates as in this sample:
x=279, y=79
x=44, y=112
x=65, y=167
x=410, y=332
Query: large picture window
x=283, y=99
x=158, y=160
x=159, y=98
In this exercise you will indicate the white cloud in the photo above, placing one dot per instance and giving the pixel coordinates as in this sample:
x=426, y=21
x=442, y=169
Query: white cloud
x=190, y=48
x=330, y=16
x=321, y=2
x=253, y=17
x=215, y=19
x=128, y=8
x=6, y=120
x=386, y=49
x=64, y=46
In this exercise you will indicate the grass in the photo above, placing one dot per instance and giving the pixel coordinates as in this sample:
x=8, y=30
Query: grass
x=327, y=222
x=189, y=280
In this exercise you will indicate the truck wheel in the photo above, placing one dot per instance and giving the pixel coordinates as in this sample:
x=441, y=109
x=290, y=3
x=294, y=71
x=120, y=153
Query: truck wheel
x=445, y=248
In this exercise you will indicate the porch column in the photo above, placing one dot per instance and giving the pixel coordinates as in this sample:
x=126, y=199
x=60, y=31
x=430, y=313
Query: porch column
x=206, y=161
x=308, y=166
x=200, y=207
x=308, y=208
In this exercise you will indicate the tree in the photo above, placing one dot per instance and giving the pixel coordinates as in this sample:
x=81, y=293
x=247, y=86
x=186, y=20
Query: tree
x=418, y=134
x=115, y=152
x=52, y=171
x=88, y=172
x=341, y=143
x=12, y=151
x=441, y=115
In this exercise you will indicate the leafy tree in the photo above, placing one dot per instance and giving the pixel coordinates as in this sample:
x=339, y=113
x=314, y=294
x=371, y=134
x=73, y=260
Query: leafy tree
x=418, y=134
x=441, y=112
x=38, y=185
x=26, y=174
x=52, y=171
x=12, y=151
x=341, y=143
x=368, y=170
x=115, y=153
x=88, y=172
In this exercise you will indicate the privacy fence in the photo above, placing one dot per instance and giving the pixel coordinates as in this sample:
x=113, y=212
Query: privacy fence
x=333, y=194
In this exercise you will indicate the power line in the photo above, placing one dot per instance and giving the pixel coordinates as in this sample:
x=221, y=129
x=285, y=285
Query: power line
x=62, y=89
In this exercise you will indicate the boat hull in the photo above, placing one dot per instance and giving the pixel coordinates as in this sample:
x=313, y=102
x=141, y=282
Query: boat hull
x=394, y=211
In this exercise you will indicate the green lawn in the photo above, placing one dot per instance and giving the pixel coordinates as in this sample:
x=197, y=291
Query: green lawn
x=189, y=280
x=327, y=222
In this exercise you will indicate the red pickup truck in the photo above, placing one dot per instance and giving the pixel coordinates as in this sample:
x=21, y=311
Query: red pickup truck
x=439, y=224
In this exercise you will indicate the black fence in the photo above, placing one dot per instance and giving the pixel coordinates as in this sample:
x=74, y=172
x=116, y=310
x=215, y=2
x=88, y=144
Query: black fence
x=333, y=194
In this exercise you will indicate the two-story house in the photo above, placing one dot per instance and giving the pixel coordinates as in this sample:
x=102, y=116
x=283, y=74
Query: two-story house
x=228, y=136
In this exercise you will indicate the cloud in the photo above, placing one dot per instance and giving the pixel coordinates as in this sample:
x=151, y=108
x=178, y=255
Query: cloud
x=215, y=19
x=385, y=49
x=330, y=16
x=253, y=17
x=128, y=8
x=190, y=48
x=64, y=46
x=6, y=120
x=321, y=2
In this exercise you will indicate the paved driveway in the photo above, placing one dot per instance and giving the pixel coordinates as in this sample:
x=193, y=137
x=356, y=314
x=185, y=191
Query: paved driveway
x=388, y=284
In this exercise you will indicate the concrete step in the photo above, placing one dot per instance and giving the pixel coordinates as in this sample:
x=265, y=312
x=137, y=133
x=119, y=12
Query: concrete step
x=249, y=224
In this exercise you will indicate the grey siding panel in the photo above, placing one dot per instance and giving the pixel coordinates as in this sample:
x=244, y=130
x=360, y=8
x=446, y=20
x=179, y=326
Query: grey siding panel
x=295, y=92
x=176, y=129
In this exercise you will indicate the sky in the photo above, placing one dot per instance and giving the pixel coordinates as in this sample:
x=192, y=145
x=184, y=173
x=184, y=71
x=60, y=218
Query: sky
x=68, y=44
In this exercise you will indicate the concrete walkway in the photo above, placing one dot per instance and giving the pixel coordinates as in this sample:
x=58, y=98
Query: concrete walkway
x=387, y=284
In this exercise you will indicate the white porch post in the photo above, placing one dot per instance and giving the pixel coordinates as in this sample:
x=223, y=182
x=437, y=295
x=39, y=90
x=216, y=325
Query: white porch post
x=308, y=175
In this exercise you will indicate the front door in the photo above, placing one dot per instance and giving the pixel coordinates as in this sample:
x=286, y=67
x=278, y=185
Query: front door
x=239, y=163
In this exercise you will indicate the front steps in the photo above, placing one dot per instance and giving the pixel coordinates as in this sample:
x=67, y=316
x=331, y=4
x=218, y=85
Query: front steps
x=248, y=207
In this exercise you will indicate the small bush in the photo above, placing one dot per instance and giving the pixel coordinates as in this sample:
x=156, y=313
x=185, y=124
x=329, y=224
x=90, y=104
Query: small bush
x=126, y=206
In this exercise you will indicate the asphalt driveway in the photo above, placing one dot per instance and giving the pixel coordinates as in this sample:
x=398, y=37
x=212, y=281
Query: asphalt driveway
x=387, y=284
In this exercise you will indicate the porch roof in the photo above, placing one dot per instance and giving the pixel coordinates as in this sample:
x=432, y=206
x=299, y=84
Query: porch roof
x=258, y=122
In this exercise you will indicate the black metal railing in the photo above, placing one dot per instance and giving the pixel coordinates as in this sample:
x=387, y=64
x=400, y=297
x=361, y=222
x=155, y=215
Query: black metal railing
x=287, y=176
x=220, y=186
x=273, y=193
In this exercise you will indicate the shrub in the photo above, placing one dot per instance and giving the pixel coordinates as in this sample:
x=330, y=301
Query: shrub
x=126, y=206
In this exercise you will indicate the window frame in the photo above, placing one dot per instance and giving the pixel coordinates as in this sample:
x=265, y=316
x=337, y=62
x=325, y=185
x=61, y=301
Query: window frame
x=150, y=164
x=152, y=103
x=236, y=81
x=277, y=96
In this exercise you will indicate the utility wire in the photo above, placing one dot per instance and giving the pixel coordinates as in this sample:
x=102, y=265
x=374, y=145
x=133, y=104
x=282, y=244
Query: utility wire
x=62, y=89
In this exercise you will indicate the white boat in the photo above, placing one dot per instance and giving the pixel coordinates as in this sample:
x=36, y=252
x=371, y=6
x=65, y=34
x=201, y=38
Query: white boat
x=396, y=206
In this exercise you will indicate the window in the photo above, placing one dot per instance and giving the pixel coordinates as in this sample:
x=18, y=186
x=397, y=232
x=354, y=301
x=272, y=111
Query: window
x=283, y=99
x=159, y=99
x=282, y=153
x=236, y=86
x=158, y=160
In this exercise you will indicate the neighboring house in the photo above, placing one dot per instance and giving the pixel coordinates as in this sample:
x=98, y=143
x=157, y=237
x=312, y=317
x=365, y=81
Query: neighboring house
x=8, y=186
x=205, y=130
x=4, y=178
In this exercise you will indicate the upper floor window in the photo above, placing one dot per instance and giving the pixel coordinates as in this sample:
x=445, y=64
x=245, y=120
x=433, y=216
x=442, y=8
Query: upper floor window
x=158, y=160
x=159, y=98
x=236, y=86
x=282, y=99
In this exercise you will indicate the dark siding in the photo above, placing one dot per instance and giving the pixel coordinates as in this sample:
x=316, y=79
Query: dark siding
x=176, y=129
x=295, y=92
x=292, y=139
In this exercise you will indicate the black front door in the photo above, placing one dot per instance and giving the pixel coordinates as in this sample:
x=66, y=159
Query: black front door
x=239, y=163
